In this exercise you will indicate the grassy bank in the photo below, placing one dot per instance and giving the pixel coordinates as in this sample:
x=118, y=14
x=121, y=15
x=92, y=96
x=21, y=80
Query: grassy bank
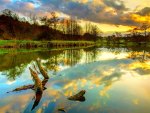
x=121, y=43
x=43, y=44
x=29, y=44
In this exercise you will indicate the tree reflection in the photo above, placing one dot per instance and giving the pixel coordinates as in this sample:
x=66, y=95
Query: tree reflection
x=91, y=54
x=141, y=56
x=14, y=64
x=66, y=58
x=15, y=72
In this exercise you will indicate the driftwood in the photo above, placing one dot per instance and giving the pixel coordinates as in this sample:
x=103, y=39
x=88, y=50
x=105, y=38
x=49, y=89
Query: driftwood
x=38, y=94
x=78, y=97
x=38, y=84
x=26, y=87
x=42, y=70
x=36, y=69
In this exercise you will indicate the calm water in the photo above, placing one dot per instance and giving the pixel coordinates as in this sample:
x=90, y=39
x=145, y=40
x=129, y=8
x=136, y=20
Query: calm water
x=115, y=80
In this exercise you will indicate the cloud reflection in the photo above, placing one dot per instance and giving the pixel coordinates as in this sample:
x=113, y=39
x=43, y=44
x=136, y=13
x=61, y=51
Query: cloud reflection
x=113, y=84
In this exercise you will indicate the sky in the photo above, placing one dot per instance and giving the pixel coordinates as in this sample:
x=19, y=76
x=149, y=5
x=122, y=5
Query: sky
x=110, y=15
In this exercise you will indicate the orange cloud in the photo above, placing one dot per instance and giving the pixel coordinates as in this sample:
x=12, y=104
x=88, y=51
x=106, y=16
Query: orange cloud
x=140, y=19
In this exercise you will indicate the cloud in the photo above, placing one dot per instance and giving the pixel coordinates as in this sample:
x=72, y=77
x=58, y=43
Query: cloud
x=145, y=11
x=116, y=4
x=4, y=1
x=19, y=5
x=3, y=4
x=99, y=11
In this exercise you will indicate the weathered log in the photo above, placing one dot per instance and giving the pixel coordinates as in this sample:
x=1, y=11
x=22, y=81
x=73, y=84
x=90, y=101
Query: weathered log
x=38, y=84
x=42, y=70
x=26, y=87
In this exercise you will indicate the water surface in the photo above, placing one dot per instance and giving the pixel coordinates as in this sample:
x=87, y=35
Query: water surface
x=115, y=80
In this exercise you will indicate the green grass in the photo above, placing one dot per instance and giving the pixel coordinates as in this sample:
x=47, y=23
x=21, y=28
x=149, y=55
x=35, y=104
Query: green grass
x=5, y=50
x=6, y=42
x=15, y=43
x=19, y=42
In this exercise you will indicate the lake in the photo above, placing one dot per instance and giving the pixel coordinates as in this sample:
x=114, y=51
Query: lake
x=115, y=80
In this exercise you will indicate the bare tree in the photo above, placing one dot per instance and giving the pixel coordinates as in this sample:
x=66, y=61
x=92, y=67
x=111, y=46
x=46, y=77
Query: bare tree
x=50, y=22
x=54, y=20
x=94, y=30
x=72, y=27
x=62, y=26
x=145, y=26
x=44, y=20
x=33, y=18
x=7, y=12
x=88, y=27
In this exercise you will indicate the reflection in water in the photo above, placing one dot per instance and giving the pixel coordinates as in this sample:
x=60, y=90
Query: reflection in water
x=107, y=74
x=141, y=56
x=15, y=72
x=62, y=109
x=12, y=68
x=38, y=94
x=39, y=86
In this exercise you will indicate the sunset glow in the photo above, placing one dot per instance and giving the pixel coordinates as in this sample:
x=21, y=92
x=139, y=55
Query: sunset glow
x=109, y=15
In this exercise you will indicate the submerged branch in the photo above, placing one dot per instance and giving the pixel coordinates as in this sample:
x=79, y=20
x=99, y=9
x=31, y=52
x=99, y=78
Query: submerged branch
x=42, y=70
x=38, y=83
x=25, y=87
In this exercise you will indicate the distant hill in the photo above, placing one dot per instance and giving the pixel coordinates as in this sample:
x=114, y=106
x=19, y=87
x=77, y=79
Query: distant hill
x=11, y=28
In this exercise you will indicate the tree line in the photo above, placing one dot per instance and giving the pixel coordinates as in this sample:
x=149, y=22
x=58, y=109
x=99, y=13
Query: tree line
x=32, y=27
x=49, y=28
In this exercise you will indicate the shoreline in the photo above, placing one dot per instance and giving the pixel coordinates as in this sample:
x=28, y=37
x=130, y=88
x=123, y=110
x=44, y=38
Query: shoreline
x=60, y=44
x=43, y=44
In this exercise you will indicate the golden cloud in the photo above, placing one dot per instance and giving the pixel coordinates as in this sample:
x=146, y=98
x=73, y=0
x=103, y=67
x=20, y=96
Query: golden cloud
x=140, y=19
